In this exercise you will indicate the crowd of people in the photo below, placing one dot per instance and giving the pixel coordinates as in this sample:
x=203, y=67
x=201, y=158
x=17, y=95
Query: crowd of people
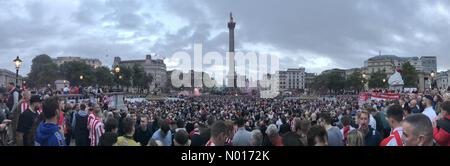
x=36, y=119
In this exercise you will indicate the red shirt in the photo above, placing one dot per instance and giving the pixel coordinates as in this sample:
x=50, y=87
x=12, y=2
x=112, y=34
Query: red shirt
x=278, y=141
x=442, y=135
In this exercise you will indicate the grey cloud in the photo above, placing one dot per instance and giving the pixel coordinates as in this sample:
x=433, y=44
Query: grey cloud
x=346, y=32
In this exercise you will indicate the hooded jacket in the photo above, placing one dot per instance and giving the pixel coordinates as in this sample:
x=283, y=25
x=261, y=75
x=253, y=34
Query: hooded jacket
x=48, y=134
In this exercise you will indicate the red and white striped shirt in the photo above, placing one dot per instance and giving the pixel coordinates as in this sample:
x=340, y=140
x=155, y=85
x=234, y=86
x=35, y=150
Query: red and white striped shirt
x=97, y=130
x=91, y=119
x=24, y=106
x=394, y=139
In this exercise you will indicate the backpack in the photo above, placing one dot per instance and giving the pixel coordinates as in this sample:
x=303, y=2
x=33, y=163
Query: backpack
x=81, y=125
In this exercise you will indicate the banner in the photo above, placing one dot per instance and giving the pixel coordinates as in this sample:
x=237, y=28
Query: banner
x=378, y=96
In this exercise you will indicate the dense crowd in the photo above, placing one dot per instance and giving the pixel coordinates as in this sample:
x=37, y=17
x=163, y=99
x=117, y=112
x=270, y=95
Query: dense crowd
x=36, y=119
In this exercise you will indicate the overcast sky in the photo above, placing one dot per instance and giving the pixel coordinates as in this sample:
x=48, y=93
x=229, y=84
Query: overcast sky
x=316, y=34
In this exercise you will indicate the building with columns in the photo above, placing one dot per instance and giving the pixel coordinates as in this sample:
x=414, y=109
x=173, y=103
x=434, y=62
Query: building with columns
x=292, y=79
x=442, y=80
x=7, y=76
x=155, y=67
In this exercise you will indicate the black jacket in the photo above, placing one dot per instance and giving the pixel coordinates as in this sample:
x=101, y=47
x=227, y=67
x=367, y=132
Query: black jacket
x=143, y=136
x=372, y=138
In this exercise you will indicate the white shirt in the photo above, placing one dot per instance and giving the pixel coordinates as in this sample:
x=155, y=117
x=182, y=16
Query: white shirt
x=429, y=111
x=279, y=123
x=373, y=123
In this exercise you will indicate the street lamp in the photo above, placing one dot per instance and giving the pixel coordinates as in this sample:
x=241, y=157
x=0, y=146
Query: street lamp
x=17, y=63
x=119, y=77
x=117, y=69
x=433, y=74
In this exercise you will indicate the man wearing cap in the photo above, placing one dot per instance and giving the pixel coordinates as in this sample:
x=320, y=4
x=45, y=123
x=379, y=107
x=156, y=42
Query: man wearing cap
x=427, y=101
x=26, y=121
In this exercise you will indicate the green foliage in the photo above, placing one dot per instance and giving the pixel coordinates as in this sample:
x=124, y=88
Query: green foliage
x=409, y=75
x=43, y=72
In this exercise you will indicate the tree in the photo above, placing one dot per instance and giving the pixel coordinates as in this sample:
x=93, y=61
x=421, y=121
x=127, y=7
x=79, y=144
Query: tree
x=332, y=82
x=355, y=81
x=336, y=82
x=376, y=80
x=43, y=71
x=104, y=76
x=124, y=77
x=139, y=76
x=72, y=71
x=409, y=75
x=320, y=84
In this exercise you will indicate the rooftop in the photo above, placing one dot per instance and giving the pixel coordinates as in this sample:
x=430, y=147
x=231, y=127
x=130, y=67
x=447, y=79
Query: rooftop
x=385, y=57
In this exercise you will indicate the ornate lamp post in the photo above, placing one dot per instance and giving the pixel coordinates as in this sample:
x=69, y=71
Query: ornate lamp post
x=433, y=74
x=17, y=63
x=119, y=77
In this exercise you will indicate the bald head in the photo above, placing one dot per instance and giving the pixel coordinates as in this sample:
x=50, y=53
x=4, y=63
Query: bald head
x=417, y=130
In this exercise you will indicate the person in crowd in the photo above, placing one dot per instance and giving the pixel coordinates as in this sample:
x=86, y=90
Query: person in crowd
x=273, y=135
x=181, y=125
x=242, y=136
x=256, y=138
x=127, y=138
x=61, y=118
x=437, y=100
x=109, y=138
x=371, y=136
x=143, y=133
x=304, y=125
x=68, y=112
x=4, y=121
x=427, y=101
x=395, y=117
x=17, y=109
x=97, y=129
x=381, y=121
x=79, y=126
x=406, y=111
x=90, y=119
x=13, y=97
x=153, y=142
x=346, y=127
x=181, y=138
x=291, y=139
x=231, y=131
x=333, y=133
x=218, y=134
x=205, y=133
x=26, y=120
x=414, y=107
x=441, y=128
x=355, y=138
x=372, y=121
x=48, y=133
x=417, y=130
x=317, y=136
x=163, y=134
